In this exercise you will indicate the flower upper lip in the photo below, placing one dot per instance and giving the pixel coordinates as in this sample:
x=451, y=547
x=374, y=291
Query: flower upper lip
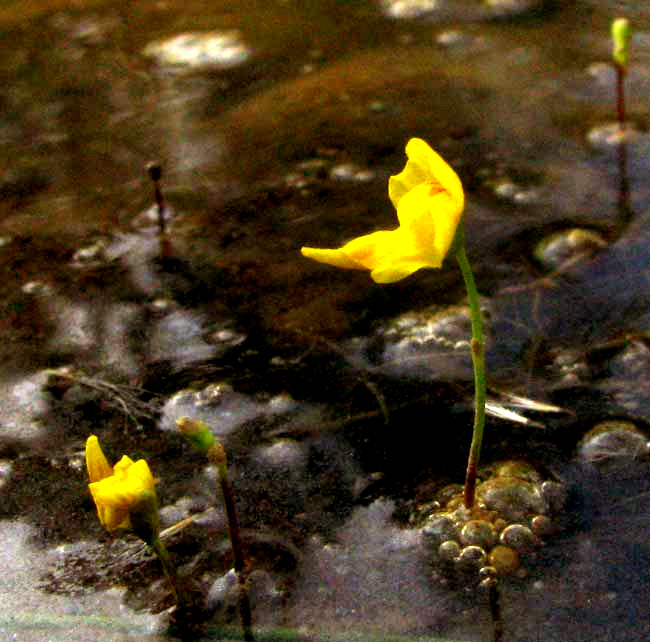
x=425, y=166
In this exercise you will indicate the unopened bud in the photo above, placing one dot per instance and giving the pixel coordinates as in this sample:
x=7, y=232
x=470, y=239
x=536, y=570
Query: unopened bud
x=197, y=433
x=621, y=36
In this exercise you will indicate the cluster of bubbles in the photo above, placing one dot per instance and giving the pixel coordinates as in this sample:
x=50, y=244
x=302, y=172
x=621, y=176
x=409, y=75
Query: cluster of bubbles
x=514, y=512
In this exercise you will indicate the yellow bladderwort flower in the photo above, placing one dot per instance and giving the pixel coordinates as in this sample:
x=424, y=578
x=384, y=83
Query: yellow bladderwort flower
x=125, y=494
x=429, y=200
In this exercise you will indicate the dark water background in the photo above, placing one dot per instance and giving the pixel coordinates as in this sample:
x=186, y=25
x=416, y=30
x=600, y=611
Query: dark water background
x=284, y=134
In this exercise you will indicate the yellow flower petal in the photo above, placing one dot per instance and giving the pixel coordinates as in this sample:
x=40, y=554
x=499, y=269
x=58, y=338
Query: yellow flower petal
x=372, y=250
x=337, y=258
x=432, y=220
x=425, y=166
x=140, y=476
x=122, y=466
x=96, y=462
x=110, y=517
x=389, y=255
x=389, y=273
x=126, y=487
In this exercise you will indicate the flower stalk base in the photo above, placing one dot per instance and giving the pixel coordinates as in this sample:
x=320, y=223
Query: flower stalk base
x=168, y=566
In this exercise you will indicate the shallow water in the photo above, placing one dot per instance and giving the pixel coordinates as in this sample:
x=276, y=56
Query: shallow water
x=277, y=126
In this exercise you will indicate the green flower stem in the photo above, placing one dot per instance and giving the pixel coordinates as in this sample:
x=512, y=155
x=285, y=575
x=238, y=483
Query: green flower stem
x=168, y=566
x=217, y=455
x=145, y=523
x=478, y=361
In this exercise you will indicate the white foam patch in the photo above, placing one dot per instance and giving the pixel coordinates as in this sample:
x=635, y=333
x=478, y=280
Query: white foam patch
x=27, y=613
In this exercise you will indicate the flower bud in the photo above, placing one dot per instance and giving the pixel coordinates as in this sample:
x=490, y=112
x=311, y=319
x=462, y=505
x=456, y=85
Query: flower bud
x=621, y=36
x=197, y=433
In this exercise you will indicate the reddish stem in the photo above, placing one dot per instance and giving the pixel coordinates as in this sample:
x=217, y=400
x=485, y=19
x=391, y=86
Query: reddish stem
x=620, y=95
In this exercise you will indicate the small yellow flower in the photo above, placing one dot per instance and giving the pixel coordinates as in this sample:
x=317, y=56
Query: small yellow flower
x=119, y=490
x=429, y=199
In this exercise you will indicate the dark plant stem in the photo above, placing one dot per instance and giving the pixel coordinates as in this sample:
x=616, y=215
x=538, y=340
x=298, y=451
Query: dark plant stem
x=624, y=207
x=495, y=610
x=155, y=173
x=625, y=212
x=478, y=362
x=217, y=456
x=620, y=95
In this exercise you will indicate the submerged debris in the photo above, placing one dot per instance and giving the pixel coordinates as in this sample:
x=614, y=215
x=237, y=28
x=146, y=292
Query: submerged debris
x=128, y=399
x=564, y=246
x=217, y=49
x=612, y=444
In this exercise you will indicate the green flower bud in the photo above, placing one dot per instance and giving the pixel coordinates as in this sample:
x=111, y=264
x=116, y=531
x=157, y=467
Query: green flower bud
x=196, y=433
x=621, y=36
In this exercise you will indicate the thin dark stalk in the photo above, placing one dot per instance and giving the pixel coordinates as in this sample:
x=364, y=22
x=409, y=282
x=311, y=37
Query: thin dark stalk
x=620, y=96
x=624, y=208
x=155, y=173
x=217, y=456
x=495, y=610
x=625, y=212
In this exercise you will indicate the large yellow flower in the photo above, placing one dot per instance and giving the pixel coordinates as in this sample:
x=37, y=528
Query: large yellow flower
x=429, y=199
x=117, y=491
